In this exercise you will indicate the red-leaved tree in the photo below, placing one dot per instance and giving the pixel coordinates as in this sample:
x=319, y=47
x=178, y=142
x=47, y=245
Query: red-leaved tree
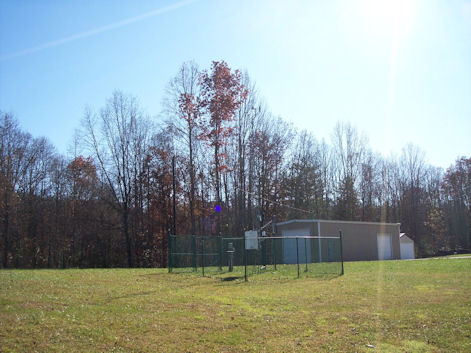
x=222, y=93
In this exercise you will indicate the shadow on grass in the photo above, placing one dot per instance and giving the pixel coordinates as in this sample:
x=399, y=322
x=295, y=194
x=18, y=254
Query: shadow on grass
x=153, y=275
x=231, y=278
x=130, y=295
x=255, y=273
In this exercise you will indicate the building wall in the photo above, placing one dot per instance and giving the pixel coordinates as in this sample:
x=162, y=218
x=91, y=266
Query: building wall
x=299, y=224
x=359, y=239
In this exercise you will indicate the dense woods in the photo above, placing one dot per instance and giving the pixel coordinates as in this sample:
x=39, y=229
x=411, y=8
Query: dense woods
x=221, y=163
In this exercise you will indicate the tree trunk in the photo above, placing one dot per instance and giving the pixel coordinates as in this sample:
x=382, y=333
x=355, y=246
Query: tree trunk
x=6, y=228
x=218, y=193
x=192, y=185
x=127, y=235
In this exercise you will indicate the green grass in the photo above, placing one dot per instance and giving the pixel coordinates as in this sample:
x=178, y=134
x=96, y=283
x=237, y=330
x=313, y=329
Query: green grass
x=390, y=306
x=457, y=255
x=269, y=272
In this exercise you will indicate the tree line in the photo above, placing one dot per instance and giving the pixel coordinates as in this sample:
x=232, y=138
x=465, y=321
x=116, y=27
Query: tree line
x=217, y=163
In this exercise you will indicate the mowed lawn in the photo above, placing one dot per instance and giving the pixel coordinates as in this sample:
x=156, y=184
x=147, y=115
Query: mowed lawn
x=387, y=306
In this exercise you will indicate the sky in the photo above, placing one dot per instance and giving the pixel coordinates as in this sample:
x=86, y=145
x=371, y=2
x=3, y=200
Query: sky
x=399, y=71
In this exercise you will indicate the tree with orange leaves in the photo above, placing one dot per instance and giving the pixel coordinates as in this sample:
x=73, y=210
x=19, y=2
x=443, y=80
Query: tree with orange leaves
x=222, y=93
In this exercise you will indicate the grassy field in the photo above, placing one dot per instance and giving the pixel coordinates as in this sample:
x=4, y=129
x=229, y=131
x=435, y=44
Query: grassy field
x=393, y=306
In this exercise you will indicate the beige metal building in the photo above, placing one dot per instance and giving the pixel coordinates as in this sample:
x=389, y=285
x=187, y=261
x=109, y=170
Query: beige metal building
x=360, y=240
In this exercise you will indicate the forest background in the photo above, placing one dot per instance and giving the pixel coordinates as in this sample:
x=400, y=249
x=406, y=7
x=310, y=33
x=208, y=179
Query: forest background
x=129, y=179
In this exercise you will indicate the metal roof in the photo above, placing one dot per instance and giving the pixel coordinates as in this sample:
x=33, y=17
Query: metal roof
x=332, y=221
x=403, y=236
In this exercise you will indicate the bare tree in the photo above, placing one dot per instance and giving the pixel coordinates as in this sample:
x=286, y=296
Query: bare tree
x=250, y=111
x=14, y=165
x=303, y=178
x=116, y=137
x=267, y=147
x=181, y=105
x=413, y=212
x=457, y=196
x=349, y=149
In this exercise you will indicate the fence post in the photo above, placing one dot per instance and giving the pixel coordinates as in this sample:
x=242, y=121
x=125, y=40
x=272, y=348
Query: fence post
x=274, y=251
x=220, y=252
x=202, y=253
x=245, y=259
x=341, y=249
x=169, y=246
x=305, y=252
x=297, y=254
x=264, y=252
x=274, y=229
x=261, y=246
x=193, y=248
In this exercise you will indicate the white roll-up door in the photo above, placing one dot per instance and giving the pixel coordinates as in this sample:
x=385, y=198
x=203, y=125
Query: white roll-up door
x=407, y=251
x=384, y=247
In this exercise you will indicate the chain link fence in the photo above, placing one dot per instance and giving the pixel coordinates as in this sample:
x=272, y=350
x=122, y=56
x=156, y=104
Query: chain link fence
x=241, y=257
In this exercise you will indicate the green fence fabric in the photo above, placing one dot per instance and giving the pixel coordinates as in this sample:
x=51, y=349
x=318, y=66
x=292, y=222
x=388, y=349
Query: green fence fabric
x=282, y=256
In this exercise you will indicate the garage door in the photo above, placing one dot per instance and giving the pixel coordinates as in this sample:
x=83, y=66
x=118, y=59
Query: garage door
x=289, y=246
x=384, y=247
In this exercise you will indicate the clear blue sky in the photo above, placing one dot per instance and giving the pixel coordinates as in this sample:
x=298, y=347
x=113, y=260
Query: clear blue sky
x=400, y=71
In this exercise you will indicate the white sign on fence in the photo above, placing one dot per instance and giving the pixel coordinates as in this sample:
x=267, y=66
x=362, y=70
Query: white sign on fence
x=251, y=240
